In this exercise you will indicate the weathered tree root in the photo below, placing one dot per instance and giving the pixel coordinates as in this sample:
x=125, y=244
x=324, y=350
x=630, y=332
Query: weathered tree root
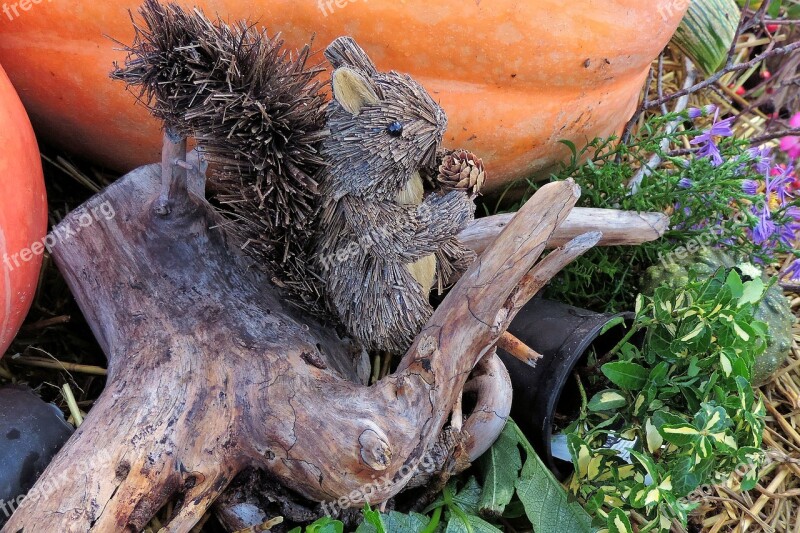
x=244, y=507
x=210, y=372
x=492, y=386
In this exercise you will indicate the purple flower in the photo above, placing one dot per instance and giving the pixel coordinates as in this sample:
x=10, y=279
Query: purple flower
x=750, y=187
x=686, y=210
x=762, y=157
x=722, y=128
x=792, y=272
x=708, y=147
x=685, y=183
x=779, y=181
x=765, y=228
x=711, y=151
x=787, y=233
x=696, y=112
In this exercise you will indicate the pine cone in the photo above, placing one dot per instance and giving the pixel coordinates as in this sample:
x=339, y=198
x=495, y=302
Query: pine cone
x=462, y=171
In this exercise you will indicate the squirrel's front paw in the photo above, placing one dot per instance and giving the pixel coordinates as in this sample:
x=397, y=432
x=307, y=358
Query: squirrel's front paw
x=455, y=209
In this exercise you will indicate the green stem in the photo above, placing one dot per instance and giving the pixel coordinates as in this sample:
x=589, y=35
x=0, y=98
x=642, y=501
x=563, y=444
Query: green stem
x=636, y=328
x=434, y=523
x=584, y=400
x=455, y=509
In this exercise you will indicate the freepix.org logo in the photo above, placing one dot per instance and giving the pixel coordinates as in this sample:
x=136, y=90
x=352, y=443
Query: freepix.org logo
x=670, y=9
x=329, y=6
x=81, y=219
x=16, y=9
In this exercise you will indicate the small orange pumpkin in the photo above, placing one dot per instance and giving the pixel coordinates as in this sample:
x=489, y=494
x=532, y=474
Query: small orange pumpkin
x=23, y=213
x=515, y=77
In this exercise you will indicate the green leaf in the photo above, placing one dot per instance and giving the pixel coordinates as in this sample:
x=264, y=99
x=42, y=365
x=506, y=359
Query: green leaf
x=647, y=462
x=662, y=304
x=703, y=449
x=638, y=495
x=679, y=434
x=750, y=460
x=750, y=480
x=741, y=331
x=698, y=329
x=774, y=9
x=642, y=402
x=618, y=522
x=607, y=400
x=725, y=363
x=546, y=503
x=473, y=525
x=571, y=146
x=581, y=454
x=661, y=418
x=363, y=527
x=500, y=466
x=326, y=524
x=744, y=393
x=711, y=418
x=640, y=301
x=404, y=523
x=468, y=497
x=735, y=284
x=653, y=437
x=684, y=477
x=753, y=292
x=659, y=373
x=629, y=376
x=373, y=522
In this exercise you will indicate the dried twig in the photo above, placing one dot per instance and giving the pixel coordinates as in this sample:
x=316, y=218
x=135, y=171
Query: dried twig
x=655, y=160
x=42, y=362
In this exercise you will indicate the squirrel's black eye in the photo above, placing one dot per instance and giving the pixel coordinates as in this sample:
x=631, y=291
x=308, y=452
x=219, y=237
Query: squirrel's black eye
x=395, y=129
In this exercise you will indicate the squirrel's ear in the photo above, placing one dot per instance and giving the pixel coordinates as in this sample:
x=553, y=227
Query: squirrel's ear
x=352, y=90
x=345, y=52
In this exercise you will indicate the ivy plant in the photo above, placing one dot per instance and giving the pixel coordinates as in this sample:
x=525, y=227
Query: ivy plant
x=672, y=407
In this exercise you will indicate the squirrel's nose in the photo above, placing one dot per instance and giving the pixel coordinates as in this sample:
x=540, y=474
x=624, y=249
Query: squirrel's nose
x=429, y=159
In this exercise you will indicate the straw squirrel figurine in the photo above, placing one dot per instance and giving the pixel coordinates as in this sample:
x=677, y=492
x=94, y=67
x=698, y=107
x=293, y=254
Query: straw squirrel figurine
x=385, y=242
x=328, y=199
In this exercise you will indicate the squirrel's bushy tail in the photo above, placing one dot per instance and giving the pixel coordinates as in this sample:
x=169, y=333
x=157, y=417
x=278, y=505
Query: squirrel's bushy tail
x=256, y=112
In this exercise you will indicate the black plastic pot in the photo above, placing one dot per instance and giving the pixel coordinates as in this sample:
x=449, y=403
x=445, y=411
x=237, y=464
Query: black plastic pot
x=31, y=433
x=563, y=334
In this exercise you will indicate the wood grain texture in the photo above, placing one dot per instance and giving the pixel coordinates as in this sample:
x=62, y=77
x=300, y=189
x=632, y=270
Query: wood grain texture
x=618, y=228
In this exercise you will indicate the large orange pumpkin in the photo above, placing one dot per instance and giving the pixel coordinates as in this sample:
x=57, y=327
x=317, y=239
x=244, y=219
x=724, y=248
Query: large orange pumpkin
x=23, y=213
x=515, y=76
